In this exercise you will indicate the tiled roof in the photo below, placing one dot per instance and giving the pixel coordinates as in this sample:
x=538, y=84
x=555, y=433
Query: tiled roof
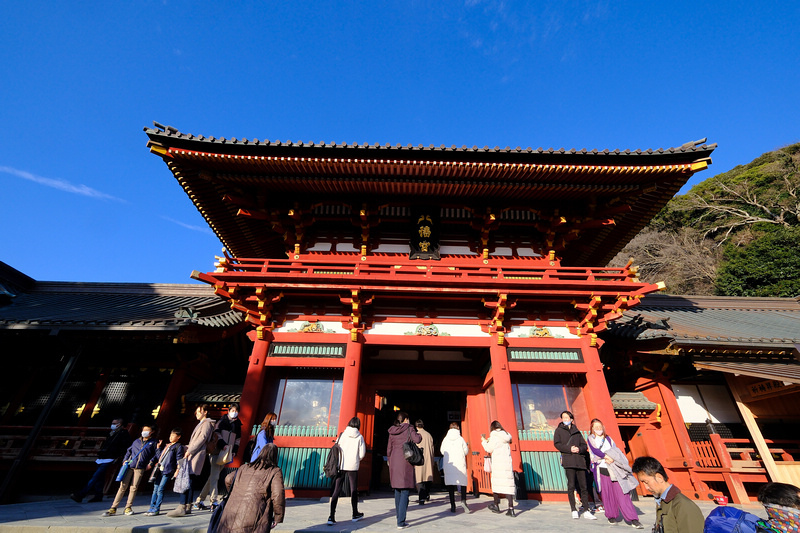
x=749, y=323
x=113, y=306
x=235, y=183
x=329, y=149
x=215, y=393
x=787, y=371
x=632, y=401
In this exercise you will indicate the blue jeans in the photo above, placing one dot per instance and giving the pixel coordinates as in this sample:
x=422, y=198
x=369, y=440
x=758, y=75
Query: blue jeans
x=158, y=493
x=401, y=504
x=97, y=482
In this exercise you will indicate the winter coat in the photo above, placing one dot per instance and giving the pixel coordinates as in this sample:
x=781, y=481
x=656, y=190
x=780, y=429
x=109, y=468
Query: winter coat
x=197, y=444
x=679, y=514
x=115, y=445
x=257, y=495
x=353, y=449
x=564, y=438
x=140, y=460
x=168, y=463
x=261, y=440
x=230, y=432
x=401, y=472
x=499, y=445
x=454, y=457
x=424, y=472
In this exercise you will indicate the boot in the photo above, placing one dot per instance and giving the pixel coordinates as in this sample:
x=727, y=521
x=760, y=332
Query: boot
x=188, y=508
x=179, y=511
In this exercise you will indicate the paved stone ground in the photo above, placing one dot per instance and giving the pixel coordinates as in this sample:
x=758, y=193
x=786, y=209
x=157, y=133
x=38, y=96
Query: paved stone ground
x=64, y=515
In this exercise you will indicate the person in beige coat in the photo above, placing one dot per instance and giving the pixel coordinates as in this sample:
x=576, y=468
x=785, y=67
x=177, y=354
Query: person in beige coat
x=424, y=472
x=195, y=455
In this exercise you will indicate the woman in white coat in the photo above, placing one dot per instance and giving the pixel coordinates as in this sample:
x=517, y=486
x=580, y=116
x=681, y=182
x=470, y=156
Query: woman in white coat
x=454, y=459
x=499, y=445
x=353, y=451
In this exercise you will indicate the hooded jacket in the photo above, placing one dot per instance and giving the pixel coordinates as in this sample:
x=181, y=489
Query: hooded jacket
x=454, y=458
x=564, y=438
x=353, y=449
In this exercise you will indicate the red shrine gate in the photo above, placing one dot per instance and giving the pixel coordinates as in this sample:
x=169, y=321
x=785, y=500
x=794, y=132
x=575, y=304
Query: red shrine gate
x=448, y=282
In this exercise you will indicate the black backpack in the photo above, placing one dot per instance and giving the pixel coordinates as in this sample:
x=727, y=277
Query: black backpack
x=331, y=467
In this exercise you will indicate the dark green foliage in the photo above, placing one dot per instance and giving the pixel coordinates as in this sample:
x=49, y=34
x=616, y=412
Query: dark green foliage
x=768, y=266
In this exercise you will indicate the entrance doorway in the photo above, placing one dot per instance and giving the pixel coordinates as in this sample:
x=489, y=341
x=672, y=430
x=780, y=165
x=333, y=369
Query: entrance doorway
x=436, y=409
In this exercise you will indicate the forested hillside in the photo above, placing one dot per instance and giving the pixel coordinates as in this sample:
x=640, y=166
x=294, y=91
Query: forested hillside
x=735, y=234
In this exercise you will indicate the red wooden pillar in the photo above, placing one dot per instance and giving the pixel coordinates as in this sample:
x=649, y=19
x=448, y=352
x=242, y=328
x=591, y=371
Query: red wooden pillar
x=505, y=399
x=599, y=404
x=251, y=392
x=351, y=382
x=99, y=386
x=170, y=407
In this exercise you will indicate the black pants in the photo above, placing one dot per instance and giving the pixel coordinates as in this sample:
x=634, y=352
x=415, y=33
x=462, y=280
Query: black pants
x=338, y=481
x=424, y=490
x=452, y=490
x=509, y=498
x=573, y=475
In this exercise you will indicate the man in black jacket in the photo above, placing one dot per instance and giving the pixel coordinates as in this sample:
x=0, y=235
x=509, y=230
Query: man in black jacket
x=111, y=450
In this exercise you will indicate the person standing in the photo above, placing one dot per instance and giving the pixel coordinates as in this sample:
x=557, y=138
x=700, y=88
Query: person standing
x=454, y=459
x=613, y=475
x=195, y=455
x=424, y=472
x=229, y=432
x=568, y=440
x=401, y=472
x=499, y=446
x=165, y=462
x=139, y=454
x=265, y=436
x=353, y=451
x=257, y=501
x=675, y=513
x=109, y=453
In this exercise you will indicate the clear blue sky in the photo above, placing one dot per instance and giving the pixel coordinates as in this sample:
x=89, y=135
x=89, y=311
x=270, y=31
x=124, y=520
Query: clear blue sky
x=82, y=199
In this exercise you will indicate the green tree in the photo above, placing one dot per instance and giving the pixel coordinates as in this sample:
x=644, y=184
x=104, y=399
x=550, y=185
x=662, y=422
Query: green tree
x=767, y=266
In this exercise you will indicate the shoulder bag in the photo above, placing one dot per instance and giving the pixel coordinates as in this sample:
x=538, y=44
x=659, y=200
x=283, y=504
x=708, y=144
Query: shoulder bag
x=127, y=464
x=183, y=480
x=412, y=452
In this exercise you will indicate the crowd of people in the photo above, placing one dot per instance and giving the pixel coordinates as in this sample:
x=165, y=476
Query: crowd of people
x=596, y=470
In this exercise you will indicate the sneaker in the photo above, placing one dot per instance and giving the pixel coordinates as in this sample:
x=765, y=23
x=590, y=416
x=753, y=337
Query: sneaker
x=575, y=514
x=589, y=516
x=494, y=508
x=74, y=497
x=452, y=509
x=331, y=521
x=151, y=513
x=612, y=521
x=601, y=509
x=357, y=516
x=110, y=512
x=635, y=524
x=403, y=525
x=128, y=511
x=199, y=506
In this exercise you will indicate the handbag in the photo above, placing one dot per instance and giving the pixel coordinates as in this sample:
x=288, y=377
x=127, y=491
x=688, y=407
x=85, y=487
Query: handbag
x=183, y=480
x=412, y=452
x=127, y=464
x=487, y=463
x=226, y=455
x=216, y=513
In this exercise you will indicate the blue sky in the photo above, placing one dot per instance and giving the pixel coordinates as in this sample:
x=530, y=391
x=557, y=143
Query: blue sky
x=82, y=199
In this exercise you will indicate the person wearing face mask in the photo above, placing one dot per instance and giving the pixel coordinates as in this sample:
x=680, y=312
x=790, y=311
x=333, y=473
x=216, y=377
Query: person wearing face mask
x=265, y=436
x=613, y=475
x=229, y=429
x=139, y=455
x=109, y=453
x=568, y=440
